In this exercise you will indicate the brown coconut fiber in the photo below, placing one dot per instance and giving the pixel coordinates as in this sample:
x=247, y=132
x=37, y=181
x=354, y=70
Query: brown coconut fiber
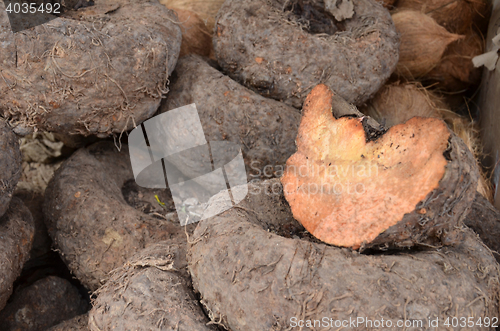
x=387, y=3
x=398, y=102
x=456, y=16
x=423, y=43
x=455, y=72
x=196, y=37
x=207, y=10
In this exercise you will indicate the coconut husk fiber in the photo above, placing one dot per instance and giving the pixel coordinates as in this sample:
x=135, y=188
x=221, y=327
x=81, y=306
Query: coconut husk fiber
x=196, y=37
x=423, y=43
x=455, y=15
x=456, y=72
x=387, y=3
x=396, y=103
x=206, y=10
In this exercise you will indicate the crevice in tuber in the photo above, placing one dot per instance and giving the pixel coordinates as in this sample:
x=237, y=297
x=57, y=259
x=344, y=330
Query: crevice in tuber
x=312, y=17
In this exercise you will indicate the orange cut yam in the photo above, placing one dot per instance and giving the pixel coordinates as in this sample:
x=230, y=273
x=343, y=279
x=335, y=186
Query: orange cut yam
x=346, y=189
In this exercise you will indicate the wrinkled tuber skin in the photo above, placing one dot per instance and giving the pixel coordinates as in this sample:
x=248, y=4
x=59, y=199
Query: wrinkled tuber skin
x=484, y=219
x=10, y=165
x=41, y=305
x=17, y=230
x=158, y=293
x=78, y=323
x=93, y=74
x=88, y=219
x=254, y=273
x=411, y=185
x=283, y=54
x=264, y=128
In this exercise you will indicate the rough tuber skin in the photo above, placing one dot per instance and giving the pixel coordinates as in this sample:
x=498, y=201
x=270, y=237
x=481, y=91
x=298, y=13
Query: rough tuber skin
x=10, y=165
x=158, y=293
x=283, y=48
x=256, y=269
x=351, y=184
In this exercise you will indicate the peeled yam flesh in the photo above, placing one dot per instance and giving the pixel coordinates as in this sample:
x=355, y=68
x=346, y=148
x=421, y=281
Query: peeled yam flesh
x=351, y=184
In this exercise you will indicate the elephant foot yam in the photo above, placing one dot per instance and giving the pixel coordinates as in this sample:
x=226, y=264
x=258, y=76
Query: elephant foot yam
x=95, y=72
x=283, y=48
x=157, y=295
x=41, y=305
x=265, y=129
x=17, y=230
x=484, y=219
x=254, y=271
x=10, y=165
x=352, y=186
x=89, y=219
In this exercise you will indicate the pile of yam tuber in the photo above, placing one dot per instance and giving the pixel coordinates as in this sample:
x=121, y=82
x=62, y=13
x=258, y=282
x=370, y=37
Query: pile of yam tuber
x=245, y=165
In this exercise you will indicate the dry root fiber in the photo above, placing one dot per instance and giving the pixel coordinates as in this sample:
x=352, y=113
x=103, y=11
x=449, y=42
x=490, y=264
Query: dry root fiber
x=41, y=147
x=264, y=128
x=398, y=102
x=158, y=294
x=36, y=176
x=17, y=230
x=40, y=153
x=456, y=16
x=206, y=9
x=88, y=219
x=352, y=185
x=196, y=38
x=282, y=49
x=456, y=72
x=10, y=165
x=95, y=71
x=423, y=43
x=41, y=305
x=79, y=323
x=254, y=273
